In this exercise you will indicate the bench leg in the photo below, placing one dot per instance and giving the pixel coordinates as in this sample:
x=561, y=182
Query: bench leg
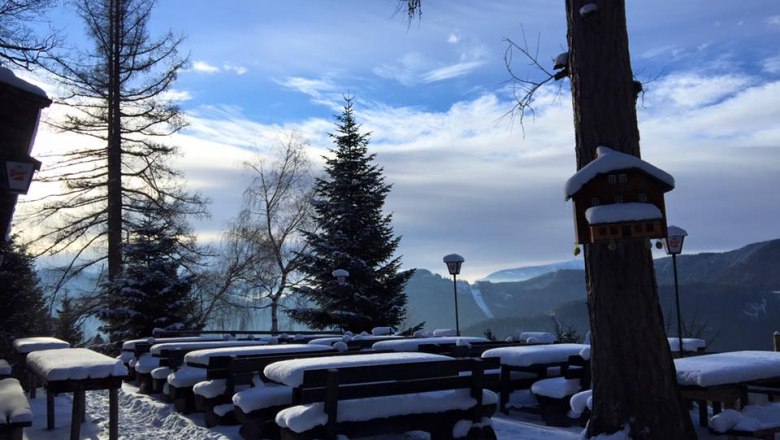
x=75, y=417
x=703, y=417
x=49, y=410
x=113, y=414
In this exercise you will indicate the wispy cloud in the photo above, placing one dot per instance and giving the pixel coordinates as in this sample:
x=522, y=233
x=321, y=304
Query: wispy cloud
x=238, y=70
x=453, y=38
x=204, y=67
x=774, y=20
x=692, y=90
x=772, y=64
x=453, y=71
x=322, y=90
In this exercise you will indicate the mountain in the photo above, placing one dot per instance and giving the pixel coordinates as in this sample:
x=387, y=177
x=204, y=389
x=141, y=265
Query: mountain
x=731, y=299
x=526, y=273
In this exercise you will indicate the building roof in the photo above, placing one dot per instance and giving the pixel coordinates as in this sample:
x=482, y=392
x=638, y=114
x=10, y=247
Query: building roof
x=608, y=160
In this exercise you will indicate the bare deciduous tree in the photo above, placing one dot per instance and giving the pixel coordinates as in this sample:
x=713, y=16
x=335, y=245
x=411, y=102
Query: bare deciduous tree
x=19, y=43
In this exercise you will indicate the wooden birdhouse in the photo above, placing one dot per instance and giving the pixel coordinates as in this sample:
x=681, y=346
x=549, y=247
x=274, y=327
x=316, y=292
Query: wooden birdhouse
x=618, y=196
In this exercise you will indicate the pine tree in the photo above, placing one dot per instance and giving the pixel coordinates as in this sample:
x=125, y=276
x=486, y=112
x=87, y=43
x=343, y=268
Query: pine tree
x=151, y=292
x=23, y=312
x=352, y=234
x=67, y=326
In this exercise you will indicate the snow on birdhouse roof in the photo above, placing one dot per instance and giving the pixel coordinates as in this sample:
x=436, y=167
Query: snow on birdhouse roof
x=608, y=160
x=8, y=77
x=622, y=212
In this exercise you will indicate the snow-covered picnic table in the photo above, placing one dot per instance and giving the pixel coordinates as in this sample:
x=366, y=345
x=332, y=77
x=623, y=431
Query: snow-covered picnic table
x=724, y=377
x=76, y=370
x=689, y=344
x=28, y=345
x=163, y=348
x=201, y=358
x=413, y=344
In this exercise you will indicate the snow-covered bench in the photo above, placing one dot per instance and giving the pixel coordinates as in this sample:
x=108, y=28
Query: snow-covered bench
x=25, y=346
x=15, y=412
x=5, y=369
x=554, y=394
x=754, y=421
x=464, y=349
x=445, y=398
x=521, y=366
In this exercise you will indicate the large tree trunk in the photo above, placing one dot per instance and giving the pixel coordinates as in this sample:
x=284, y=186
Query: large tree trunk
x=633, y=372
x=114, y=187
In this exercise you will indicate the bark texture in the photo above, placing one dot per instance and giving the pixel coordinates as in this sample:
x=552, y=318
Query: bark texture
x=633, y=371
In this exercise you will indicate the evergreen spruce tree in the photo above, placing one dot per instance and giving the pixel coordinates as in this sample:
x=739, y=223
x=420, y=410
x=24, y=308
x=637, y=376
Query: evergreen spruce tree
x=67, y=326
x=151, y=291
x=352, y=234
x=23, y=312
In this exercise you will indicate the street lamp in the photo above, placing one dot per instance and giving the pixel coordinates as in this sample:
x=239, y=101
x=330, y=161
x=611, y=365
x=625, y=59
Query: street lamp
x=453, y=262
x=674, y=244
x=341, y=276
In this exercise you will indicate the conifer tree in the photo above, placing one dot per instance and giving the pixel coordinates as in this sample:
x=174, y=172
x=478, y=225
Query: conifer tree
x=152, y=290
x=23, y=312
x=67, y=326
x=355, y=235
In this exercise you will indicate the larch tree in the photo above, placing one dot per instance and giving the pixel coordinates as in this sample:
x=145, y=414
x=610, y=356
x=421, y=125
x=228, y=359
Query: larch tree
x=267, y=231
x=68, y=323
x=352, y=233
x=634, y=379
x=116, y=94
x=20, y=44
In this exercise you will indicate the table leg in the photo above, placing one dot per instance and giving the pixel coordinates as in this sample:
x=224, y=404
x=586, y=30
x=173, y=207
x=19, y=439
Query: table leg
x=83, y=404
x=49, y=410
x=113, y=414
x=504, y=396
x=75, y=417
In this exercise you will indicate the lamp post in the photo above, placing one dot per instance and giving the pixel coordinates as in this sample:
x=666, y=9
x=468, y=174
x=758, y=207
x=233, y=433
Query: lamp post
x=341, y=276
x=674, y=244
x=453, y=262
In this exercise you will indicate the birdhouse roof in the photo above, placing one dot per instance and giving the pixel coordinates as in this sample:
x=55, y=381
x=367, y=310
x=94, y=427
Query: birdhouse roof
x=608, y=160
x=8, y=77
x=622, y=212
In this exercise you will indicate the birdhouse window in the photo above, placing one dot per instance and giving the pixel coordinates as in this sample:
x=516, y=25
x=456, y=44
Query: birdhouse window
x=595, y=201
x=623, y=178
x=612, y=179
x=618, y=199
x=649, y=227
x=613, y=230
x=642, y=197
x=637, y=229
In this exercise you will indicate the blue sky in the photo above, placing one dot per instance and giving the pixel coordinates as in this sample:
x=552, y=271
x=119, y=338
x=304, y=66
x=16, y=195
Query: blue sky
x=434, y=94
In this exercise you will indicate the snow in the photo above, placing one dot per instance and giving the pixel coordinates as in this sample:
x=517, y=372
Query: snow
x=689, y=344
x=414, y=343
x=382, y=331
x=160, y=373
x=556, y=387
x=201, y=357
x=524, y=356
x=8, y=77
x=302, y=418
x=264, y=396
x=579, y=402
x=14, y=407
x=334, y=339
x=608, y=160
x=290, y=372
x=146, y=363
x=5, y=368
x=27, y=345
x=622, y=212
x=186, y=377
x=585, y=353
x=477, y=295
x=194, y=345
x=73, y=364
x=752, y=418
x=444, y=332
x=210, y=388
x=130, y=345
x=725, y=368
x=538, y=337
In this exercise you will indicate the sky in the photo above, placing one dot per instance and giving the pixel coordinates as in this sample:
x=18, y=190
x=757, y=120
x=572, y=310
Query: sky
x=435, y=94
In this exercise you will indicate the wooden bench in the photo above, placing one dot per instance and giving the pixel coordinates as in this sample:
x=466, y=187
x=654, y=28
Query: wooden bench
x=554, y=408
x=5, y=369
x=15, y=412
x=398, y=385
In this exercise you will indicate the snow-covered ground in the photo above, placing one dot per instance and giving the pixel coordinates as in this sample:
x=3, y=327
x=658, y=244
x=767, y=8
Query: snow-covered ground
x=142, y=418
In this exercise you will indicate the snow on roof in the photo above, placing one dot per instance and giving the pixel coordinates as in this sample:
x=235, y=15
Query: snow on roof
x=27, y=345
x=414, y=343
x=74, y=364
x=194, y=345
x=608, y=160
x=8, y=77
x=622, y=212
x=290, y=372
x=725, y=368
x=201, y=357
x=524, y=356
x=302, y=418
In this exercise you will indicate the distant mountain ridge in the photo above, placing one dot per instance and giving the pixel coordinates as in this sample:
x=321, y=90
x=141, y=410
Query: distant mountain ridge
x=528, y=272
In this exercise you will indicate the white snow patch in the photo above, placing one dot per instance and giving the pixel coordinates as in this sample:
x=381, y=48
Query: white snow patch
x=477, y=295
x=622, y=212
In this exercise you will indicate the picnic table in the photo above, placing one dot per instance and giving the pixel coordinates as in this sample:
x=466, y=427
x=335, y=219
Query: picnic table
x=25, y=346
x=725, y=377
x=521, y=366
x=77, y=370
x=413, y=344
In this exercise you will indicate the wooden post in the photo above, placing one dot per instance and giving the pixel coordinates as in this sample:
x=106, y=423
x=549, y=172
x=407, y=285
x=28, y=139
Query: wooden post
x=504, y=397
x=75, y=416
x=113, y=414
x=331, y=403
x=776, y=340
x=49, y=410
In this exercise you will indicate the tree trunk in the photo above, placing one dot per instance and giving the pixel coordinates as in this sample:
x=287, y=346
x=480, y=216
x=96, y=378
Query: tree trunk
x=114, y=187
x=274, y=315
x=634, y=380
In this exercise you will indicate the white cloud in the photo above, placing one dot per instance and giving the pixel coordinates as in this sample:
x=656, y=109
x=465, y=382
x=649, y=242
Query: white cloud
x=772, y=64
x=322, y=91
x=453, y=71
x=694, y=90
x=773, y=20
x=204, y=67
x=238, y=70
x=453, y=38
